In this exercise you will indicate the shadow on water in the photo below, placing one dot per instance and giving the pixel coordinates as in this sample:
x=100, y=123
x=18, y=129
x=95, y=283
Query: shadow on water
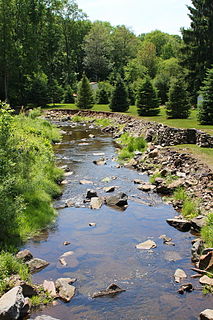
x=106, y=253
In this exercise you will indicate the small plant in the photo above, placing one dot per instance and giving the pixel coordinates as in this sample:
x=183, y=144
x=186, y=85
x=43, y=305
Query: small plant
x=207, y=290
x=190, y=208
x=154, y=176
x=130, y=145
x=10, y=265
x=42, y=298
x=103, y=122
x=207, y=231
x=180, y=194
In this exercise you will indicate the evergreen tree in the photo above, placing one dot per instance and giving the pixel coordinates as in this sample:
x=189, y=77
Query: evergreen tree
x=178, y=105
x=102, y=96
x=205, y=114
x=147, y=100
x=198, y=49
x=119, y=101
x=68, y=95
x=85, y=99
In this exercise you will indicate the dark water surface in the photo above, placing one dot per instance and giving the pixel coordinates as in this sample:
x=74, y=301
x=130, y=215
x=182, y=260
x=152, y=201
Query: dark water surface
x=106, y=253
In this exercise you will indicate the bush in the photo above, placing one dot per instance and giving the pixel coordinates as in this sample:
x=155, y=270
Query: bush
x=119, y=100
x=178, y=106
x=207, y=231
x=205, y=113
x=147, y=100
x=85, y=99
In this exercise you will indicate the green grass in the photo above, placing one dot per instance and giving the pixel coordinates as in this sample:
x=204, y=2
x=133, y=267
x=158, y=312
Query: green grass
x=180, y=194
x=207, y=231
x=191, y=122
x=9, y=265
x=42, y=298
x=129, y=146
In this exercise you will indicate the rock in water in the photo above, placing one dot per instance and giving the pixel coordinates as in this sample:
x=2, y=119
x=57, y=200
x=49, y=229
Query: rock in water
x=179, y=275
x=119, y=200
x=24, y=255
x=185, y=288
x=206, y=280
x=44, y=317
x=96, y=203
x=111, y=289
x=91, y=194
x=180, y=224
x=206, y=261
x=65, y=290
x=147, y=245
x=206, y=314
x=36, y=264
x=49, y=286
x=11, y=304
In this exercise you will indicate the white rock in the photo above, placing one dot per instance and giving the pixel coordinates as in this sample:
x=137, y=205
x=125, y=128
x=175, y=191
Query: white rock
x=149, y=244
x=11, y=304
x=179, y=275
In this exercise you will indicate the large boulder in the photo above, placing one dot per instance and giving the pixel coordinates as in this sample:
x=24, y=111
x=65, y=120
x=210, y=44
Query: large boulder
x=180, y=224
x=119, y=200
x=11, y=304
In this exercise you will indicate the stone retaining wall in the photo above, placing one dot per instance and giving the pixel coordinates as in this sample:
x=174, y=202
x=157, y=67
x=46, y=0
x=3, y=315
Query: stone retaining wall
x=153, y=131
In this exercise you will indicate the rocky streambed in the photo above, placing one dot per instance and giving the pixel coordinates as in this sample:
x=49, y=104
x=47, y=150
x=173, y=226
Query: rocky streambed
x=111, y=236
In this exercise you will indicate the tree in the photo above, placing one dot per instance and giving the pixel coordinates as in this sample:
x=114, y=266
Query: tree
x=37, y=90
x=205, y=113
x=147, y=100
x=178, y=106
x=85, y=99
x=146, y=56
x=198, y=44
x=103, y=92
x=119, y=101
x=97, y=47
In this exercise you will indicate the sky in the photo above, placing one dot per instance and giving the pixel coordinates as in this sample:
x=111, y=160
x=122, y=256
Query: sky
x=141, y=16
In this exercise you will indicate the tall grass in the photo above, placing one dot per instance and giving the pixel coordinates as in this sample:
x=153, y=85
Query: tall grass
x=207, y=231
x=129, y=145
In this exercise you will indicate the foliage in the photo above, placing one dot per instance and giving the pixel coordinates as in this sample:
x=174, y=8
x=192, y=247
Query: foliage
x=205, y=114
x=42, y=298
x=207, y=231
x=129, y=145
x=180, y=194
x=37, y=90
x=68, y=95
x=198, y=39
x=28, y=174
x=9, y=266
x=103, y=92
x=85, y=99
x=147, y=101
x=119, y=100
x=178, y=105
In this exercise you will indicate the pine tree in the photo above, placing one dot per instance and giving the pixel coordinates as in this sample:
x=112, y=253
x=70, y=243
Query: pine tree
x=198, y=44
x=205, y=114
x=119, y=101
x=85, y=99
x=147, y=100
x=178, y=106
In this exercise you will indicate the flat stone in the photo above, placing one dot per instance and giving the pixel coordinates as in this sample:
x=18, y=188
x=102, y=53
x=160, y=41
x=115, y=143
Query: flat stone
x=92, y=224
x=179, y=275
x=44, y=317
x=206, y=314
x=66, y=243
x=187, y=287
x=11, y=304
x=180, y=224
x=49, y=286
x=172, y=256
x=37, y=264
x=206, y=280
x=85, y=182
x=146, y=187
x=198, y=222
x=110, y=290
x=138, y=181
x=64, y=182
x=96, y=203
x=109, y=189
x=147, y=245
x=68, y=174
x=176, y=184
x=24, y=255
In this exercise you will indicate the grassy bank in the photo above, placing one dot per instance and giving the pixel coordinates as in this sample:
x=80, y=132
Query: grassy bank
x=191, y=122
x=28, y=175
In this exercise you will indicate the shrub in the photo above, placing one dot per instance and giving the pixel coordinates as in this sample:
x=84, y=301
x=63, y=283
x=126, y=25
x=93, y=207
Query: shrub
x=207, y=231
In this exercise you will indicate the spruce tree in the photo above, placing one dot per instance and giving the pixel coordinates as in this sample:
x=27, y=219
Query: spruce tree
x=205, y=113
x=85, y=99
x=119, y=101
x=178, y=106
x=147, y=100
x=197, y=52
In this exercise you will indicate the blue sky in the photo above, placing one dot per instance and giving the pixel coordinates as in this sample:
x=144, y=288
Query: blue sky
x=140, y=15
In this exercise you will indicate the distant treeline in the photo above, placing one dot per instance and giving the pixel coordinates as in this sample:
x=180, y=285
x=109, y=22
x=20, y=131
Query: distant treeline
x=45, y=46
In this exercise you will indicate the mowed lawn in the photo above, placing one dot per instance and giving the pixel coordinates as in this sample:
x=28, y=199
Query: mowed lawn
x=191, y=122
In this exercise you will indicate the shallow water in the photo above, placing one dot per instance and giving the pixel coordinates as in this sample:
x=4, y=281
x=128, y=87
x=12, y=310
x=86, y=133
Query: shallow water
x=106, y=253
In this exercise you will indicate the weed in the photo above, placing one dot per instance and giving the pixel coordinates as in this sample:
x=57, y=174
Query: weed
x=207, y=231
x=180, y=194
x=42, y=298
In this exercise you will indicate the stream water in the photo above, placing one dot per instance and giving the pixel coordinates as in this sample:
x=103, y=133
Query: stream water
x=106, y=253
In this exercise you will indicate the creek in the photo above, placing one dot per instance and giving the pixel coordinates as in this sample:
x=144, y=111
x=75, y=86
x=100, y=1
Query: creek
x=106, y=253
